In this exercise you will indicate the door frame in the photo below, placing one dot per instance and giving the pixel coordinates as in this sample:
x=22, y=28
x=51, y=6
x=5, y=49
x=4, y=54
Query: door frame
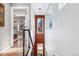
x=39, y=36
x=12, y=18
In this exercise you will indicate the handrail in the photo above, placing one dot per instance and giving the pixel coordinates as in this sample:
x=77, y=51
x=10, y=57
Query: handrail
x=24, y=41
x=28, y=51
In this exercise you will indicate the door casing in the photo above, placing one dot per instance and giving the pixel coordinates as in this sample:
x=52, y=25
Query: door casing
x=12, y=18
x=39, y=38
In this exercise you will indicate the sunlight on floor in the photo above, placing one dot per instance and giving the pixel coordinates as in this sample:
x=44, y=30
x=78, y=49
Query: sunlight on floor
x=13, y=52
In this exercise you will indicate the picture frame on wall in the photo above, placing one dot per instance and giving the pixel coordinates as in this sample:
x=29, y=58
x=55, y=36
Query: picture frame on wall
x=40, y=26
x=48, y=21
x=2, y=15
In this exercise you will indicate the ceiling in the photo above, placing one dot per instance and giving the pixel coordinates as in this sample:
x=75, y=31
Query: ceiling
x=40, y=8
x=61, y=5
x=44, y=8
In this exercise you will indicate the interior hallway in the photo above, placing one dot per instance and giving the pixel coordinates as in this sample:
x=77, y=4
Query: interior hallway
x=61, y=38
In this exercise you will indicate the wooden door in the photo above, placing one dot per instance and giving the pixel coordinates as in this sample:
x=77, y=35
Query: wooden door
x=39, y=47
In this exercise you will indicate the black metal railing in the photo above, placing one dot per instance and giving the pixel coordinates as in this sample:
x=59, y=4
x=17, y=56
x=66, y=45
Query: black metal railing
x=25, y=53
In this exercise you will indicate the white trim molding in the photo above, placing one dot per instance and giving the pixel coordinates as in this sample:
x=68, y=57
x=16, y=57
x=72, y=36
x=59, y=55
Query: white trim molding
x=12, y=17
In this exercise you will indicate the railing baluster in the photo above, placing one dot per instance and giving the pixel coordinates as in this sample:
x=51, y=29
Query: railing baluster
x=24, y=42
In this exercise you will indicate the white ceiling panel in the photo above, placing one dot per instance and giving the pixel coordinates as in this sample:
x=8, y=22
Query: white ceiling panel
x=39, y=8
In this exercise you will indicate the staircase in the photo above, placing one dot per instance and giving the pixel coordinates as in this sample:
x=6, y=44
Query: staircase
x=27, y=43
x=25, y=50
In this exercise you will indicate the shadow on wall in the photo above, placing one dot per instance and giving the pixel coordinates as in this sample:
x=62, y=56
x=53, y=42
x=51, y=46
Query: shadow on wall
x=67, y=31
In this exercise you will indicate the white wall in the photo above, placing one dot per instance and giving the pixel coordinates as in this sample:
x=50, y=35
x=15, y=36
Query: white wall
x=5, y=32
x=65, y=35
x=63, y=39
x=50, y=33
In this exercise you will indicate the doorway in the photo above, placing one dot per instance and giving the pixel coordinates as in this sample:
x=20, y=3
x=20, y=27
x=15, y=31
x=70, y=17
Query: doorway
x=19, y=22
x=39, y=44
x=19, y=25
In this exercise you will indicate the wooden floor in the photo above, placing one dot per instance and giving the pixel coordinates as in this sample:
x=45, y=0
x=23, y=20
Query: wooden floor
x=12, y=52
x=16, y=50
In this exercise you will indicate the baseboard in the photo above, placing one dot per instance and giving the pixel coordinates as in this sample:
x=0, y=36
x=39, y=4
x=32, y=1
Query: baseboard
x=5, y=49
